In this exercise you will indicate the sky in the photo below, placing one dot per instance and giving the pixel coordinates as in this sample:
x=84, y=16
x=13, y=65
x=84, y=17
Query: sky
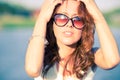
x=104, y=5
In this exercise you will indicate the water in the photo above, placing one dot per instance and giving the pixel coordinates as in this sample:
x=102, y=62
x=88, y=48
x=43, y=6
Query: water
x=112, y=74
x=13, y=45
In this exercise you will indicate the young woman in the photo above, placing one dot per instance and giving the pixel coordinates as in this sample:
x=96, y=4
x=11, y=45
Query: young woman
x=68, y=26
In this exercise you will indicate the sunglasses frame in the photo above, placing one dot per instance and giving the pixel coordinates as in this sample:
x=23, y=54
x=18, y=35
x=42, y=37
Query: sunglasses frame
x=72, y=20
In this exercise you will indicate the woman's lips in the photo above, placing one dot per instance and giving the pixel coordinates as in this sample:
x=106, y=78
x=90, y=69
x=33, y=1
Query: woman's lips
x=68, y=33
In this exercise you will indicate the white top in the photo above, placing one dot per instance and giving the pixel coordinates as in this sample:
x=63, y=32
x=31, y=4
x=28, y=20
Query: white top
x=52, y=74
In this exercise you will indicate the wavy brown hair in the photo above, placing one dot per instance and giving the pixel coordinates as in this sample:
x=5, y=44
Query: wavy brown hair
x=82, y=57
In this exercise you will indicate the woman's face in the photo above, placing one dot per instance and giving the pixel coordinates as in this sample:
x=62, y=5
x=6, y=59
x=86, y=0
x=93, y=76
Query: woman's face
x=67, y=34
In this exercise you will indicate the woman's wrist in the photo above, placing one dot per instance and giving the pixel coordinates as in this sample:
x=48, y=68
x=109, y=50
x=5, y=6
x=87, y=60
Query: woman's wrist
x=37, y=37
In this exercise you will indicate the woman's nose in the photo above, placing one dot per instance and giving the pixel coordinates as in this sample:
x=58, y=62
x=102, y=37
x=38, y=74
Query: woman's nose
x=70, y=24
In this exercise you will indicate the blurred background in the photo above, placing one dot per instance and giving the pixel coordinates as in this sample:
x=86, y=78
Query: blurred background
x=17, y=19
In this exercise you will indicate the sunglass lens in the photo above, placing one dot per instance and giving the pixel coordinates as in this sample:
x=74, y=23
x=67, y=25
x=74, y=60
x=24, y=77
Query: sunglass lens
x=60, y=20
x=78, y=23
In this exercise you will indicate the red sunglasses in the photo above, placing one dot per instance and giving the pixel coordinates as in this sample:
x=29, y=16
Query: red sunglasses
x=61, y=20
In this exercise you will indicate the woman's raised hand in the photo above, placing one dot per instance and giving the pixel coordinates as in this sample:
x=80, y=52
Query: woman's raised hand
x=90, y=4
x=93, y=9
x=47, y=9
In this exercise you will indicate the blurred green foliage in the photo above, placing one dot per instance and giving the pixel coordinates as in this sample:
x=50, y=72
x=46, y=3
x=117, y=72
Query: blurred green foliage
x=14, y=9
x=113, y=17
x=16, y=21
x=14, y=16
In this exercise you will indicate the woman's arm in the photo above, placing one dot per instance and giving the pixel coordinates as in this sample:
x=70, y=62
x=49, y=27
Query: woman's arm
x=35, y=50
x=107, y=56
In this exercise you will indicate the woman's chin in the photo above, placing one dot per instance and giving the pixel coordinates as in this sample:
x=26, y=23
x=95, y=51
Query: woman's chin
x=69, y=43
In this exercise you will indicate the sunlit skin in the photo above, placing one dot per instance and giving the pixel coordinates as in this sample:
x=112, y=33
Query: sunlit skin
x=67, y=36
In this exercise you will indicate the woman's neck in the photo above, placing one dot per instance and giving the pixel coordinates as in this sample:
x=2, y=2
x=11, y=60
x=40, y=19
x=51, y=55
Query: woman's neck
x=66, y=51
x=65, y=54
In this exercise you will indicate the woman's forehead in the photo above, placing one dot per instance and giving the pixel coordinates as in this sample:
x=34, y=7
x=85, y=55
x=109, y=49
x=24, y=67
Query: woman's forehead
x=69, y=6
